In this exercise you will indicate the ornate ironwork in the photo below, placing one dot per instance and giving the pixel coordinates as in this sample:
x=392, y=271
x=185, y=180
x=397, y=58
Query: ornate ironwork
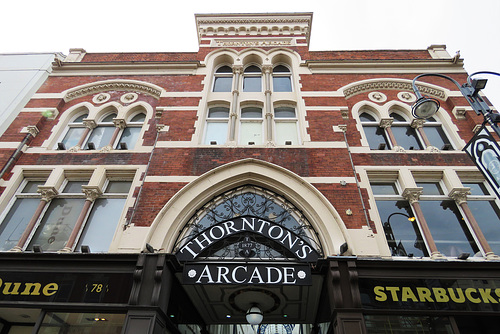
x=253, y=201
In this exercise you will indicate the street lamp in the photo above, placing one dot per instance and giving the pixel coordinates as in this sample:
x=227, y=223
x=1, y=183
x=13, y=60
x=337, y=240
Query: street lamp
x=396, y=248
x=426, y=107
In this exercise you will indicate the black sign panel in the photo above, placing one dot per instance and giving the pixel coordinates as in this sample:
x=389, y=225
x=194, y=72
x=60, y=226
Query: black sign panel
x=485, y=152
x=297, y=245
x=246, y=273
x=431, y=294
x=65, y=287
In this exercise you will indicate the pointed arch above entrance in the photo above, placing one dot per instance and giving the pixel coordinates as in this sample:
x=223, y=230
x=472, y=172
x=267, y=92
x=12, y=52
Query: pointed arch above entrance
x=168, y=225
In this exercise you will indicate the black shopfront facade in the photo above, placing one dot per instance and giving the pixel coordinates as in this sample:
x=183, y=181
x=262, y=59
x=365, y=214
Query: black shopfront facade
x=152, y=293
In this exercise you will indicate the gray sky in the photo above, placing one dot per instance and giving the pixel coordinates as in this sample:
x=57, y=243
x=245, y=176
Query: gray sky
x=159, y=26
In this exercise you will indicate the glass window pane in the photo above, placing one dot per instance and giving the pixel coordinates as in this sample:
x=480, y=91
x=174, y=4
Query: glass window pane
x=281, y=69
x=398, y=117
x=476, y=188
x=252, y=84
x=74, y=187
x=284, y=112
x=32, y=187
x=436, y=136
x=224, y=69
x=101, y=136
x=216, y=132
x=286, y=131
x=364, y=117
x=79, y=323
x=430, y=188
x=252, y=69
x=57, y=224
x=251, y=132
x=382, y=324
x=377, y=140
x=129, y=136
x=101, y=224
x=118, y=187
x=223, y=84
x=487, y=216
x=72, y=137
x=16, y=222
x=251, y=113
x=109, y=118
x=384, y=188
x=448, y=228
x=406, y=137
x=282, y=84
x=138, y=118
x=80, y=119
x=218, y=112
x=401, y=229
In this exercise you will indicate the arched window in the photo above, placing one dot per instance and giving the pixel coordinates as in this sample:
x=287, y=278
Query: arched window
x=251, y=126
x=252, y=79
x=249, y=201
x=74, y=132
x=217, y=125
x=282, y=81
x=101, y=135
x=223, y=79
x=131, y=133
x=405, y=135
x=436, y=135
x=375, y=135
x=285, y=123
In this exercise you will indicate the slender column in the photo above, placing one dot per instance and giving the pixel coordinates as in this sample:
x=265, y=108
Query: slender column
x=120, y=124
x=418, y=124
x=48, y=193
x=268, y=69
x=386, y=123
x=412, y=195
x=91, y=193
x=237, y=70
x=459, y=195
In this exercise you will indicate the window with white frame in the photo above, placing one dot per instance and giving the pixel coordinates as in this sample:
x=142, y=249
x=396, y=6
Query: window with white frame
x=21, y=210
x=70, y=214
x=405, y=135
x=217, y=126
x=436, y=135
x=486, y=212
x=282, y=80
x=74, y=132
x=285, y=124
x=130, y=134
x=448, y=227
x=102, y=134
x=401, y=228
x=223, y=79
x=251, y=125
x=375, y=135
x=252, y=79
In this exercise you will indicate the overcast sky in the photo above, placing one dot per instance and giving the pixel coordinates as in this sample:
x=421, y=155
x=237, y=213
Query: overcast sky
x=158, y=26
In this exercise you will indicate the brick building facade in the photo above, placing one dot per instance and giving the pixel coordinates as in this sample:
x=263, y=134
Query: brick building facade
x=172, y=192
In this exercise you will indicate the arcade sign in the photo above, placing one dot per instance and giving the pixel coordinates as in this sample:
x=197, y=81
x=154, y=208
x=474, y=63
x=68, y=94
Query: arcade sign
x=247, y=273
x=297, y=245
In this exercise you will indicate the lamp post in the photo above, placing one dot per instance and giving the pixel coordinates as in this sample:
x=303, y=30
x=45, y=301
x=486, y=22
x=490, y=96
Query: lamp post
x=396, y=249
x=426, y=107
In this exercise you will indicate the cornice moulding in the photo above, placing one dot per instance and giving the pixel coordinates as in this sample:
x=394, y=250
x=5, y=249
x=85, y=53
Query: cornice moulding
x=392, y=84
x=114, y=66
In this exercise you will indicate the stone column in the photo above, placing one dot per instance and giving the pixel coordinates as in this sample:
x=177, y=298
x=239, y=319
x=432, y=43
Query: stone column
x=459, y=195
x=91, y=194
x=412, y=195
x=237, y=70
x=386, y=124
x=47, y=193
x=120, y=124
x=268, y=70
x=418, y=124
x=89, y=125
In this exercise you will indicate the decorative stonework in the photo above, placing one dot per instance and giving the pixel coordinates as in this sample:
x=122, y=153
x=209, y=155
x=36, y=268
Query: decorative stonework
x=417, y=123
x=252, y=43
x=47, y=192
x=91, y=192
x=459, y=195
x=432, y=149
x=32, y=130
x=377, y=97
x=110, y=86
x=129, y=97
x=407, y=97
x=120, y=123
x=412, y=195
x=74, y=149
x=386, y=122
x=101, y=98
x=89, y=123
x=399, y=149
x=395, y=85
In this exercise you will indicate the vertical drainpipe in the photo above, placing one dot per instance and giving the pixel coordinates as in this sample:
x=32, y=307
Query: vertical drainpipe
x=32, y=132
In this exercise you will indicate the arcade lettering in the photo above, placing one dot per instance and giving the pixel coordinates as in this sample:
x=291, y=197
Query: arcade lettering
x=298, y=246
x=247, y=274
x=27, y=289
x=436, y=294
